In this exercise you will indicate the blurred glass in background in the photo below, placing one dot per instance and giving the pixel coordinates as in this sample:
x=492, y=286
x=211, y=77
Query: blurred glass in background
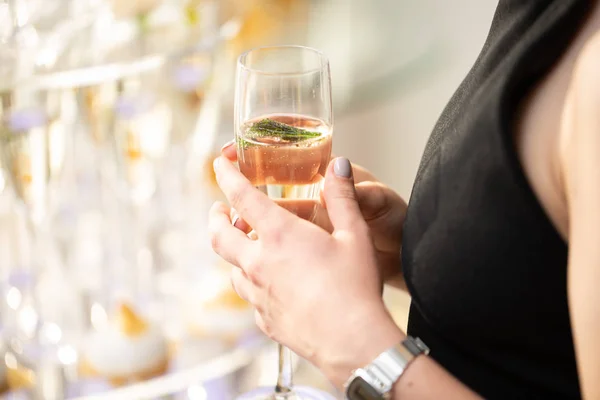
x=110, y=114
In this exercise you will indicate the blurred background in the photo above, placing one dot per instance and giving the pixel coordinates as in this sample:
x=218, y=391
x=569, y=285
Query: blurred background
x=111, y=112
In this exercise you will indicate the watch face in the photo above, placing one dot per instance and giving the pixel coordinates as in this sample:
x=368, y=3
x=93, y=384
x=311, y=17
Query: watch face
x=359, y=389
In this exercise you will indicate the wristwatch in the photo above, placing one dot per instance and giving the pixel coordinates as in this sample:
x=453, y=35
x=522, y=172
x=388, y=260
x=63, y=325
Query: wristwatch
x=376, y=380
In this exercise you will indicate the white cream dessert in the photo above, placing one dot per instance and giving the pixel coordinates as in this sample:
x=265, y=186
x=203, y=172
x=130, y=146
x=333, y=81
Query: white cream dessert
x=16, y=377
x=226, y=316
x=129, y=350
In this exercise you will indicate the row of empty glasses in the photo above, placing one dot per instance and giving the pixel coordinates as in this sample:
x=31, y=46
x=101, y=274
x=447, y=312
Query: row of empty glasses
x=108, y=112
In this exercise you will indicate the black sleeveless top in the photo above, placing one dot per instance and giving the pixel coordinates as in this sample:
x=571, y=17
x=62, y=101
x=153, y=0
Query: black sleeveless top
x=485, y=266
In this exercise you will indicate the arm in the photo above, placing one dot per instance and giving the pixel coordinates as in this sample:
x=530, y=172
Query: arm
x=580, y=162
x=424, y=379
x=337, y=327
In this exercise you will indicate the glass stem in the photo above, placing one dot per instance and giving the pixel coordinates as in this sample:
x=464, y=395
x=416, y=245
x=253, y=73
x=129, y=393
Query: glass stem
x=35, y=267
x=285, y=373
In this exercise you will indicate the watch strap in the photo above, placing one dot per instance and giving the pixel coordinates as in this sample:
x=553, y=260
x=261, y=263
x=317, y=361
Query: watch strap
x=390, y=365
x=386, y=369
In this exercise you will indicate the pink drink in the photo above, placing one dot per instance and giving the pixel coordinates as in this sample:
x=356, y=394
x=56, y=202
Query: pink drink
x=286, y=158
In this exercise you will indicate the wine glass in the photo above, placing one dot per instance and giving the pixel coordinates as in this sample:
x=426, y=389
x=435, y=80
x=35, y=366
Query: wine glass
x=283, y=130
x=33, y=151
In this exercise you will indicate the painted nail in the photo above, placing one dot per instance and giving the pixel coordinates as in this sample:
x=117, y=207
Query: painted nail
x=235, y=219
x=226, y=145
x=216, y=163
x=342, y=168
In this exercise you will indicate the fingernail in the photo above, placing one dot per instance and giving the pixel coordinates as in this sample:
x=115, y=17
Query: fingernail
x=342, y=168
x=216, y=163
x=235, y=220
x=226, y=145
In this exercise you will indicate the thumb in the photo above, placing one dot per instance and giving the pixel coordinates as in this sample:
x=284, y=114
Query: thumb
x=340, y=196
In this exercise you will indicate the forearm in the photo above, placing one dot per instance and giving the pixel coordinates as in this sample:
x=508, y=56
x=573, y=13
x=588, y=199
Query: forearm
x=424, y=379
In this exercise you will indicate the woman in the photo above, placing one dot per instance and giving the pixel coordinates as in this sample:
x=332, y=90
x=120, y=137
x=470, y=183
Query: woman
x=499, y=243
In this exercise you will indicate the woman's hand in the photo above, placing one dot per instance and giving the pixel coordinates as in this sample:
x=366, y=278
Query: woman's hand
x=317, y=292
x=382, y=209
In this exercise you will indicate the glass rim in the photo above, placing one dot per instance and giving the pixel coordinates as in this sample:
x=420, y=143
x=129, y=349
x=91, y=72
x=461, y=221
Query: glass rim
x=320, y=54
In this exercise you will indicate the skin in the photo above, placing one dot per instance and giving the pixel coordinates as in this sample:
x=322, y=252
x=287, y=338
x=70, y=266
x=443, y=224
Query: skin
x=382, y=209
x=557, y=138
x=581, y=167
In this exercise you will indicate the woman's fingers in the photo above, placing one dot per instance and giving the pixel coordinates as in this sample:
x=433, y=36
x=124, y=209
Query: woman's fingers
x=321, y=219
x=238, y=222
x=241, y=285
x=359, y=174
x=373, y=200
x=229, y=151
x=260, y=323
x=362, y=174
x=378, y=201
x=255, y=207
x=340, y=197
x=227, y=241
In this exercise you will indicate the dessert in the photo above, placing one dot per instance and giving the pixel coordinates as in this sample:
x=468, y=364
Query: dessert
x=15, y=376
x=226, y=316
x=128, y=350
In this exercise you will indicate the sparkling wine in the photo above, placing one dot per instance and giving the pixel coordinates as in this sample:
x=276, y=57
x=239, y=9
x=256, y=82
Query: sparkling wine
x=286, y=156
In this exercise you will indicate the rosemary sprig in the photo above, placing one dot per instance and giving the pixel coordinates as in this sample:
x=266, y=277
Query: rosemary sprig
x=271, y=128
x=243, y=143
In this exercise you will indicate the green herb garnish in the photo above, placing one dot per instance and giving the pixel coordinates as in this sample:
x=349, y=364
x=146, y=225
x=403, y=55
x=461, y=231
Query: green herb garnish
x=271, y=128
x=243, y=143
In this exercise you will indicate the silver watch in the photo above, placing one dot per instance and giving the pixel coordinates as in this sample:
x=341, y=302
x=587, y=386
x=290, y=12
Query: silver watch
x=376, y=380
